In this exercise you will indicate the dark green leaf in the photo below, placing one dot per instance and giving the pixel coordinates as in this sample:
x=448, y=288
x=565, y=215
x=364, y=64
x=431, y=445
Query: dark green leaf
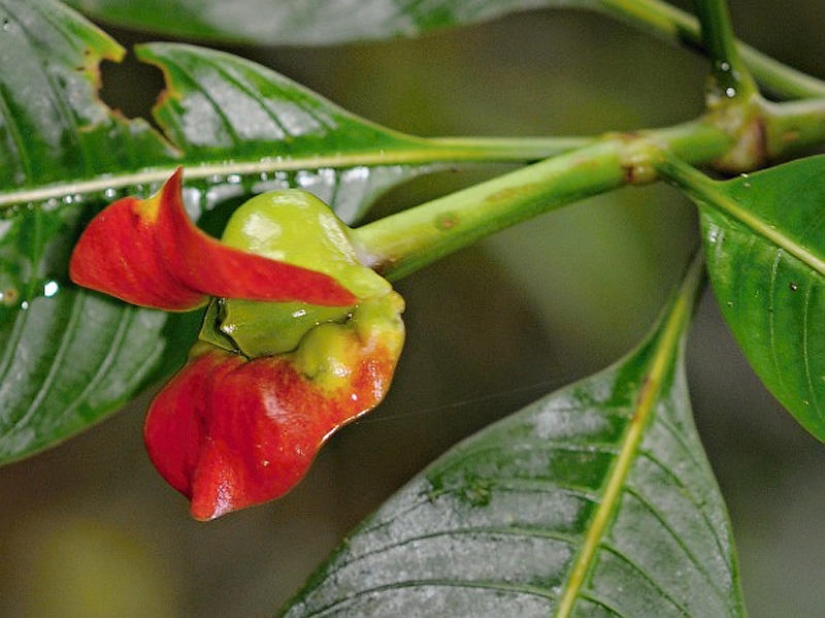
x=298, y=22
x=594, y=501
x=68, y=357
x=764, y=236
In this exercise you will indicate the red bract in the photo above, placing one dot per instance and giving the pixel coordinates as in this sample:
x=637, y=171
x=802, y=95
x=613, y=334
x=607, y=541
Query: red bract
x=268, y=382
x=149, y=253
x=228, y=432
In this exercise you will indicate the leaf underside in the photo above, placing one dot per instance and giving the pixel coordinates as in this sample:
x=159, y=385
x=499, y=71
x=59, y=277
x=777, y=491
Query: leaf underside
x=71, y=357
x=766, y=270
x=506, y=523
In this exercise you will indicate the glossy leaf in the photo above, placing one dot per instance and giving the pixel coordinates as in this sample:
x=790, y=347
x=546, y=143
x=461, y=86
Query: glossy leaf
x=298, y=22
x=70, y=357
x=764, y=236
x=594, y=501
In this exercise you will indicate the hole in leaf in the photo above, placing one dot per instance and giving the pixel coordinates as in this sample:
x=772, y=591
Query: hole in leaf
x=131, y=87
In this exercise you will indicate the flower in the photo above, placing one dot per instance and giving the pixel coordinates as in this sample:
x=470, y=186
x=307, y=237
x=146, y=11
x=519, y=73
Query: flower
x=299, y=337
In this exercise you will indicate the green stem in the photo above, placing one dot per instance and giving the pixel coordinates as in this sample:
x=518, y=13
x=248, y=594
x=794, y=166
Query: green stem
x=401, y=244
x=680, y=28
x=793, y=127
x=730, y=77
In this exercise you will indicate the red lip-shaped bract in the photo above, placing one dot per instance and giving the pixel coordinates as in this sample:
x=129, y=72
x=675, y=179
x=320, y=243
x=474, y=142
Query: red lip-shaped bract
x=228, y=432
x=268, y=380
x=149, y=253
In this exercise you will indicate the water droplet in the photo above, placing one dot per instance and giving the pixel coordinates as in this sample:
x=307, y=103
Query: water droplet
x=730, y=92
x=793, y=286
x=110, y=193
x=50, y=288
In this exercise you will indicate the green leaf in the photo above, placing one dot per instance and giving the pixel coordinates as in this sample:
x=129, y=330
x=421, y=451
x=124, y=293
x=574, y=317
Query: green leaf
x=70, y=357
x=298, y=22
x=764, y=235
x=596, y=500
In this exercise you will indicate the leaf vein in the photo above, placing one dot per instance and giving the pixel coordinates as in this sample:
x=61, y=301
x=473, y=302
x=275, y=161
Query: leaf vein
x=646, y=576
x=53, y=374
x=663, y=520
x=486, y=585
x=112, y=351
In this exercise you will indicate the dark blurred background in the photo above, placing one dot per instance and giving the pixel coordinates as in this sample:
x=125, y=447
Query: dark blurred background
x=89, y=529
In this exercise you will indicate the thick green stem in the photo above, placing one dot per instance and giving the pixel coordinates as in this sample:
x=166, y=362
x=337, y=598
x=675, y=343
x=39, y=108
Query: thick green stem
x=730, y=78
x=680, y=28
x=734, y=139
x=402, y=243
x=793, y=127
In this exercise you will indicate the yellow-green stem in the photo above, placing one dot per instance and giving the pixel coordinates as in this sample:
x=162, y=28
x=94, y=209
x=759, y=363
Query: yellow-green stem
x=401, y=244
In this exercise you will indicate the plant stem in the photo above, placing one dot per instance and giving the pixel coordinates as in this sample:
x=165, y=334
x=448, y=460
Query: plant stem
x=730, y=79
x=680, y=28
x=794, y=126
x=402, y=243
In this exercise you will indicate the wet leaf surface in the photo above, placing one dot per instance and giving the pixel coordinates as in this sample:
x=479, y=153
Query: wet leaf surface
x=596, y=500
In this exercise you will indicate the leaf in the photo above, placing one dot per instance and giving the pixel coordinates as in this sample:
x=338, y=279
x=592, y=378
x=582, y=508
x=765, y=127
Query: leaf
x=298, y=22
x=764, y=235
x=70, y=357
x=596, y=500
